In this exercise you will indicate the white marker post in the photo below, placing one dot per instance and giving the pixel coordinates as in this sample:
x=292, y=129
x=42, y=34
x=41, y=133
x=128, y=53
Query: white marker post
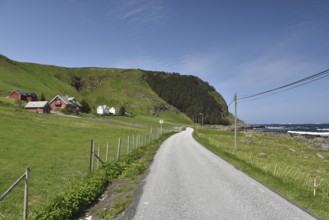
x=161, y=122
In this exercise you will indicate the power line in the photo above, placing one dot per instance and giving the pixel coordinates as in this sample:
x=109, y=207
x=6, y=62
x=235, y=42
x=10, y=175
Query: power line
x=253, y=99
x=286, y=87
x=298, y=83
x=230, y=103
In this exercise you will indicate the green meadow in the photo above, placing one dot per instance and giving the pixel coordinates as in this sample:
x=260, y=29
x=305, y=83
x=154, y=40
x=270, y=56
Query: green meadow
x=57, y=149
x=284, y=163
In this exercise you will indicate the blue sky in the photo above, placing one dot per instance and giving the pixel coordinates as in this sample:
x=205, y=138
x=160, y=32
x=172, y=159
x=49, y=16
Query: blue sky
x=235, y=45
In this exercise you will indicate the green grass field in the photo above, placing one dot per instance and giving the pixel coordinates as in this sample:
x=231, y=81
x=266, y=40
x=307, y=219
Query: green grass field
x=280, y=161
x=57, y=150
x=56, y=147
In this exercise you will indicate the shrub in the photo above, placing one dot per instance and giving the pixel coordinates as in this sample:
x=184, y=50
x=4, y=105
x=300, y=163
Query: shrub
x=74, y=199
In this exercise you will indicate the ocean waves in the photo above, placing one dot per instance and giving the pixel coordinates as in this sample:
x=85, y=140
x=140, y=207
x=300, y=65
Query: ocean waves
x=302, y=129
x=322, y=134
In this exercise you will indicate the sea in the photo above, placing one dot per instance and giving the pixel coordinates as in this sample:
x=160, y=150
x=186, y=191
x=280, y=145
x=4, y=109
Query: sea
x=303, y=129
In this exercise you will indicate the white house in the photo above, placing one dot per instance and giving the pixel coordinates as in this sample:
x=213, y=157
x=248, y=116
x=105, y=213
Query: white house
x=114, y=111
x=103, y=110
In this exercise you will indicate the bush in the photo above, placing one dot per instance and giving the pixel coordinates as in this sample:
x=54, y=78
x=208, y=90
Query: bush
x=74, y=199
x=85, y=107
x=134, y=169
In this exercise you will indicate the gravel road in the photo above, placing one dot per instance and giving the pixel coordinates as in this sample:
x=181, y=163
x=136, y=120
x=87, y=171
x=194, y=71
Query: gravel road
x=186, y=181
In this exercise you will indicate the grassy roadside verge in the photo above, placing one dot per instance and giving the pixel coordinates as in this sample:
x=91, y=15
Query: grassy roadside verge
x=127, y=183
x=57, y=149
x=280, y=162
x=80, y=195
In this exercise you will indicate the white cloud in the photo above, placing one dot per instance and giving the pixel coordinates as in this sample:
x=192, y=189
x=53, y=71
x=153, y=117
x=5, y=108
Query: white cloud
x=199, y=64
x=139, y=13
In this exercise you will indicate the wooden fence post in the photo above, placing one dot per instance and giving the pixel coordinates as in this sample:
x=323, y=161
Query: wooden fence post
x=93, y=158
x=119, y=145
x=275, y=169
x=91, y=155
x=98, y=154
x=151, y=134
x=128, y=145
x=107, y=151
x=26, y=193
x=138, y=140
x=315, y=186
x=133, y=141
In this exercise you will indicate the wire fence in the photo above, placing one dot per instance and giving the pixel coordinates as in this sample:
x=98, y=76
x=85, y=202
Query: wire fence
x=98, y=157
x=25, y=177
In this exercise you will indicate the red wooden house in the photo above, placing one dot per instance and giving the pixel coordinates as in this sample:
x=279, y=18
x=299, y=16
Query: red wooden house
x=25, y=96
x=63, y=102
x=38, y=107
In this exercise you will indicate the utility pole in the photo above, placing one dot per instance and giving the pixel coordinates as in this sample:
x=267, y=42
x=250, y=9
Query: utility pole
x=235, y=121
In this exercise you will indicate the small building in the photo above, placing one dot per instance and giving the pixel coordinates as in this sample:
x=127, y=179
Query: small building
x=103, y=110
x=38, y=106
x=63, y=102
x=74, y=102
x=25, y=96
x=114, y=111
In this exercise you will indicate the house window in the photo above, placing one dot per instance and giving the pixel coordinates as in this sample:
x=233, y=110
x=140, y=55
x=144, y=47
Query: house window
x=58, y=103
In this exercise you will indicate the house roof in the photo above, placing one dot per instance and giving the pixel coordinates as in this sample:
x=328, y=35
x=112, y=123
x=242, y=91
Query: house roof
x=74, y=101
x=37, y=104
x=67, y=100
x=103, y=106
x=63, y=97
x=115, y=108
x=23, y=93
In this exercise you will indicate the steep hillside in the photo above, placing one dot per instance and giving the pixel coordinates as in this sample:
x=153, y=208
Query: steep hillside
x=191, y=95
x=141, y=92
x=31, y=77
x=110, y=86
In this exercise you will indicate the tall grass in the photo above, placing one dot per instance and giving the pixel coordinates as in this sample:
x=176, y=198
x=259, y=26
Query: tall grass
x=279, y=161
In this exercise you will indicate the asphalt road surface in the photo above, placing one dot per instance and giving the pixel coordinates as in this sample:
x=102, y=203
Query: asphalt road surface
x=186, y=181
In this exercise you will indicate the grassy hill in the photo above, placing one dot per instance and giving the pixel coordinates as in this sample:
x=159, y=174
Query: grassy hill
x=143, y=93
x=110, y=86
x=57, y=148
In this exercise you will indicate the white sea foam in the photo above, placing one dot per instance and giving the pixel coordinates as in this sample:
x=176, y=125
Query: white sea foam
x=275, y=128
x=324, y=134
x=322, y=129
